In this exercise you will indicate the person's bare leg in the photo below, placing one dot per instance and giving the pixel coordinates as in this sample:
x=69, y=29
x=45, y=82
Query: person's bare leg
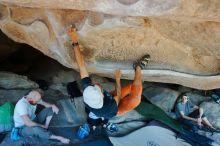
x=60, y=138
x=48, y=119
x=206, y=121
x=137, y=77
x=118, y=86
x=134, y=98
x=201, y=112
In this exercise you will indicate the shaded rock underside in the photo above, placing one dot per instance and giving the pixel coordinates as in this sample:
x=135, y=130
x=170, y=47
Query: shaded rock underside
x=182, y=37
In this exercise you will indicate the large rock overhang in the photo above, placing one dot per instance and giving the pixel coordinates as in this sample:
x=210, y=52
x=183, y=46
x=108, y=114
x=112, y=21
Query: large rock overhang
x=182, y=37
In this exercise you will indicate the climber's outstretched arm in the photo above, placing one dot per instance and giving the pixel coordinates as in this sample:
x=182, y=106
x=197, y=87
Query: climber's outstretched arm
x=78, y=55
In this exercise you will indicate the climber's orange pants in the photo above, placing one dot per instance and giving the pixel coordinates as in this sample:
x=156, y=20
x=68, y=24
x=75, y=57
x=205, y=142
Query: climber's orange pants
x=130, y=98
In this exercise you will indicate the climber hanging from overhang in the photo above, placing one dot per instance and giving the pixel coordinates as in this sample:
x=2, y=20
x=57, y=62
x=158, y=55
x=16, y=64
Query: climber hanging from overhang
x=100, y=104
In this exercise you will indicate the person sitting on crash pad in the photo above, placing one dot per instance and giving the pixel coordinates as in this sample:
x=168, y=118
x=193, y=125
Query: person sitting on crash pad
x=29, y=122
x=99, y=102
x=187, y=112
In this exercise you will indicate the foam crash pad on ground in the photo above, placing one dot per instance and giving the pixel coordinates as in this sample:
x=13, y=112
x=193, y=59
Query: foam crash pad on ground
x=149, y=136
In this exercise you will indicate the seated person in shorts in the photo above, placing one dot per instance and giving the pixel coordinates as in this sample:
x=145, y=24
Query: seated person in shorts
x=187, y=112
x=31, y=123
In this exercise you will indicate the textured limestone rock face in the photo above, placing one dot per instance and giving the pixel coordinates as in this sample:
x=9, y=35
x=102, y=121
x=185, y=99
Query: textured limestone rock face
x=182, y=37
x=164, y=98
x=14, y=81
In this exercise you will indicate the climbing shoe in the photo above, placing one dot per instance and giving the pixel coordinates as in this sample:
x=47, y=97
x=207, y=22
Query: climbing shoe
x=142, y=62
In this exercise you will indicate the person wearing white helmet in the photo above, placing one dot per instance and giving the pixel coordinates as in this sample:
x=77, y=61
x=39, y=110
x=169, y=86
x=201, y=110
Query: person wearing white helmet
x=100, y=104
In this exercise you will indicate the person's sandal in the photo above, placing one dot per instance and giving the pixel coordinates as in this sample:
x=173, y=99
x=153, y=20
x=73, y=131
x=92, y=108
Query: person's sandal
x=142, y=62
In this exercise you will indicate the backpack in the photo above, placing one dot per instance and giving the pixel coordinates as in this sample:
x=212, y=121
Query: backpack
x=73, y=90
x=6, y=117
x=215, y=96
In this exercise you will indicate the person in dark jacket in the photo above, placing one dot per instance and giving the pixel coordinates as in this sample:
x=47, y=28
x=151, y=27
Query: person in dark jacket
x=101, y=104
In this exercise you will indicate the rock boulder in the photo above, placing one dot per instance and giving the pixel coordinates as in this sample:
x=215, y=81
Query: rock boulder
x=182, y=37
x=164, y=98
x=212, y=111
x=14, y=81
